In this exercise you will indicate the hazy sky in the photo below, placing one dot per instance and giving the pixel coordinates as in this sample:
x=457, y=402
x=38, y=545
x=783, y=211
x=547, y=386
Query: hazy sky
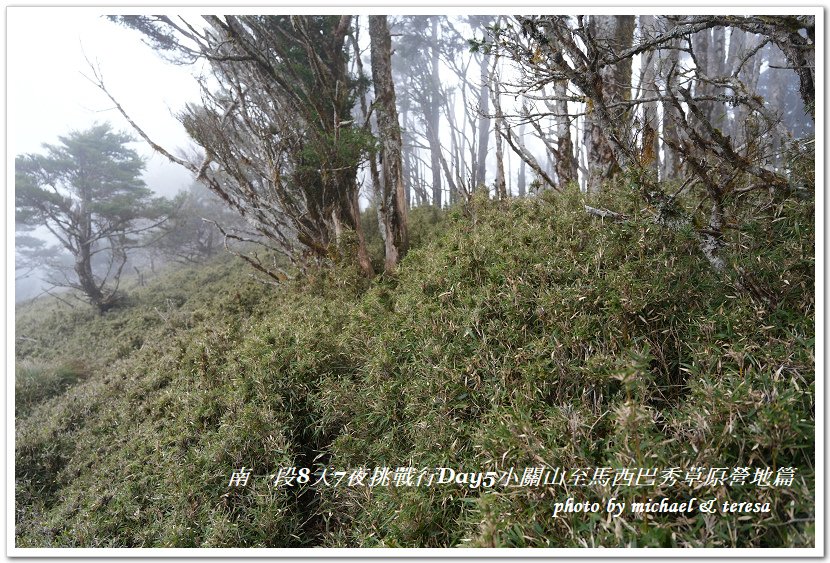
x=48, y=95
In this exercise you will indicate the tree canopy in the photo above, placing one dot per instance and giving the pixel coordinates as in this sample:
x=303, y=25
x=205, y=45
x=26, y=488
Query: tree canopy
x=276, y=126
x=88, y=193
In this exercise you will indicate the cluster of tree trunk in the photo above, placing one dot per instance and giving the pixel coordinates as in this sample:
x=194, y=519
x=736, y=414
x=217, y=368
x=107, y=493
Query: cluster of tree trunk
x=289, y=118
x=283, y=140
x=696, y=117
x=280, y=142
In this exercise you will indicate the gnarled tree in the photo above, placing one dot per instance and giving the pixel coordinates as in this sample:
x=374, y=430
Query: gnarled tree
x=88, y=193
x=717, y=168
x=276, y=127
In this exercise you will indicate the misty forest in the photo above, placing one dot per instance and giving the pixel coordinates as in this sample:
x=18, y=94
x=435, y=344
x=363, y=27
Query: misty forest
x=438, y=281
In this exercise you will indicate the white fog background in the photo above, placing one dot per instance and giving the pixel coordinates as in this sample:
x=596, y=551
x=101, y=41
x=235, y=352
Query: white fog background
x=48, y=96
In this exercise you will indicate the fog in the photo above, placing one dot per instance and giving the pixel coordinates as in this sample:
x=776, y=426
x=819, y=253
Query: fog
x=49, y=96
x=52, y=51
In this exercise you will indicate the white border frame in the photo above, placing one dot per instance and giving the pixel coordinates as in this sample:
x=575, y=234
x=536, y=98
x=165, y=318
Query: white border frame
x=459, y=7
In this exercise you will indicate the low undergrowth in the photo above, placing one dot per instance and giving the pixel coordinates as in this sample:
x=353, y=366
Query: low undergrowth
x=521, y=335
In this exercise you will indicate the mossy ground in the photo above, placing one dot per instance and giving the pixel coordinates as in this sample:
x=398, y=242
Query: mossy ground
x=519, y=335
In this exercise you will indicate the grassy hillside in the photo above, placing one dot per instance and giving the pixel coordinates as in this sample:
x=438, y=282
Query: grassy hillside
x=521, y=336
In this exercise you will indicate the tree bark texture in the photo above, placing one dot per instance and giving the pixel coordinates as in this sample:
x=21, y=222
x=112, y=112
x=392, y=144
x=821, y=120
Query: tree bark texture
x=480, y=170
x=612, y=33
x=393, y=195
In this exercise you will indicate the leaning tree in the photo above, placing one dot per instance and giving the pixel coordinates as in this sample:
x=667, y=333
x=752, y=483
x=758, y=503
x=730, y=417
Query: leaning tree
x=280, y=144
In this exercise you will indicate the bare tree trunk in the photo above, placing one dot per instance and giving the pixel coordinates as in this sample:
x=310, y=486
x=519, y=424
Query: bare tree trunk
x=775, y=94
x=671, y=135
x=717, y=68
x=456, y=159
x=739, y=41
x=616, y=33
x=405, y=157
x=749, y=74
x=83, y=258
x=480, y=170
x=377, y=194
x=566, y=168
x=363, y=260
x=420, y=181
x=649, y=154
x=522, y=180
x=434, y=117
x=392, y=186
x=83, y=267
x=700, y=48
x=501, y=185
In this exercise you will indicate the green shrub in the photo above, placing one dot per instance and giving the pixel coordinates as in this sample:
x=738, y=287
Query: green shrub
x=527, y=334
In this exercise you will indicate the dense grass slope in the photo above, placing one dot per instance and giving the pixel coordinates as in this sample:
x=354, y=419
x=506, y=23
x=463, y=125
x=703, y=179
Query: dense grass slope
x=526, y=335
